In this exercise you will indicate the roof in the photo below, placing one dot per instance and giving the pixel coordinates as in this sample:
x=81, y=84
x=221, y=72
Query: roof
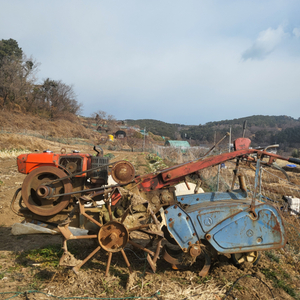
x=178, y=144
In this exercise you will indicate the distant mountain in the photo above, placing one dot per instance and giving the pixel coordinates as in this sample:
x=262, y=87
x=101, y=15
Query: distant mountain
x=261, y=129
x=157, y=127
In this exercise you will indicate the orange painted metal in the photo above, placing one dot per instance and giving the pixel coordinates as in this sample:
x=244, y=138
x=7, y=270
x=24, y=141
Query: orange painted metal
x=28, y=162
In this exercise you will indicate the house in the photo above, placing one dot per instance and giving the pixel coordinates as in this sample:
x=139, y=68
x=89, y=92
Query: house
x=120, y=134
x=178, y=144
x=182, y=145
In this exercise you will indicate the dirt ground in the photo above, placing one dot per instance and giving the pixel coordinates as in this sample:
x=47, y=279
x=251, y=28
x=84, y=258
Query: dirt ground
x=28, y=263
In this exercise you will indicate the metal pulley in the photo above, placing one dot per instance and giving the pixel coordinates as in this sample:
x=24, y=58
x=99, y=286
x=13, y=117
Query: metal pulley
x=123, y=172
x=41, y=198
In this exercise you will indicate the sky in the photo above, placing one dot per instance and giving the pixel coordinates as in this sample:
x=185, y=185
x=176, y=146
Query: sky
x=187, y=62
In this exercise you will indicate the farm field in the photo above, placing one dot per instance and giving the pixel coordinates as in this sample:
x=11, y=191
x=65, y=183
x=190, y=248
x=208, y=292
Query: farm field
x=28, y=263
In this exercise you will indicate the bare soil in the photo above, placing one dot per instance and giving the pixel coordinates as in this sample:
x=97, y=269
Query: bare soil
x=25, y=273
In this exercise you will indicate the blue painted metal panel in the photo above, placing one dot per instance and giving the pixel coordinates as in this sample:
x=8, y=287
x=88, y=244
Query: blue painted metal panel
x=242, y=233
x=211, y=197
x=230, y=224
x=180, y=226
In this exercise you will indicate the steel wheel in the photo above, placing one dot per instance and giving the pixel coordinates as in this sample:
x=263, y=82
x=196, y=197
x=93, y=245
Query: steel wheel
x=251, y=257
x=130, y=228
x=35, y=191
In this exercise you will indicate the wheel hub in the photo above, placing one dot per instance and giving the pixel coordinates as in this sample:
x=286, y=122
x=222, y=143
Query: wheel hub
x=113, y=236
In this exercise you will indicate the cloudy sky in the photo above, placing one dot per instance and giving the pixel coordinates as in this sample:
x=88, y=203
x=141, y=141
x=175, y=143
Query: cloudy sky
x=187, y=62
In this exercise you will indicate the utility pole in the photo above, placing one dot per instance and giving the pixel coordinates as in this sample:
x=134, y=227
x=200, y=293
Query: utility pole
x=144, y=139
x=229, y=145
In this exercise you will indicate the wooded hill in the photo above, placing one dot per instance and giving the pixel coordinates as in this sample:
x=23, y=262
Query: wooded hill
x=263, y=130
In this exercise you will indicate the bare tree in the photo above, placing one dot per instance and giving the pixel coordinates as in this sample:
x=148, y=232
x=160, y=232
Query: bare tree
x=103, y=119
x=17, y=78
x=57, y=98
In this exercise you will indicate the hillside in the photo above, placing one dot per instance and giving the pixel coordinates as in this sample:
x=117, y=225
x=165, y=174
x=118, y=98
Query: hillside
x=157, y=127
x=264, y=130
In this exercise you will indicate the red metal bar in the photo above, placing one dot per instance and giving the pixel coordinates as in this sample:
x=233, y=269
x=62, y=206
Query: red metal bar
x=176, y=174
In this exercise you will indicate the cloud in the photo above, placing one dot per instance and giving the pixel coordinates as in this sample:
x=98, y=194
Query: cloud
x=296, y=32
x=266, y=43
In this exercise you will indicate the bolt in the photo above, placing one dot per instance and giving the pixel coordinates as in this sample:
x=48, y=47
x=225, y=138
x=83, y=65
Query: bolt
x=123, y=234
x=198, y=243
x=166, y=212
x=197, y=199
x=169, y=175
x=190, y=243
x=187, y=218
x=182, y=198
x=194, y=234
x=184, y=250
x=175, y=206
x=208, y=236
x=170, y=220
x=179, y=214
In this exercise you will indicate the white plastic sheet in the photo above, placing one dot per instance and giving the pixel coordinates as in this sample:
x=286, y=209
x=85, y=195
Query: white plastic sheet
x=30, y=228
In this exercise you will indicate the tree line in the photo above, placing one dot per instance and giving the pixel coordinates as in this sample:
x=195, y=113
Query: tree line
x=263, y=130
x=19, y=89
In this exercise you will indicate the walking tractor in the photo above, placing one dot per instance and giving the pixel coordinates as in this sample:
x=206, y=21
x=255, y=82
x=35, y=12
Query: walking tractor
x=145, y=213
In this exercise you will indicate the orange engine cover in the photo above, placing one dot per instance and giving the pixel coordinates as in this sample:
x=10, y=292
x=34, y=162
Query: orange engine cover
x=71, y=162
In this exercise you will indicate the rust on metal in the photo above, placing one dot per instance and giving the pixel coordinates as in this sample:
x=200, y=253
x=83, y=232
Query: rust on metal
x=33, y=197
x=113, y=236
x=123, y=172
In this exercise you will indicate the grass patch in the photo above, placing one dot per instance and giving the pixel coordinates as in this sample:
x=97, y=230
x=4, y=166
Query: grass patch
x=278, y=283
x=272, y=256
x=48, y=256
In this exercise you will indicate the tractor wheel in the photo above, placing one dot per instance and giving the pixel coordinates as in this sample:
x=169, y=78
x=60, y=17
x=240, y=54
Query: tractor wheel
x=239, y=258
x=138, y=229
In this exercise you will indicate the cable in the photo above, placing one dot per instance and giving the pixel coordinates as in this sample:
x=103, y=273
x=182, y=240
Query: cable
x=140, y=258
x=228, y=293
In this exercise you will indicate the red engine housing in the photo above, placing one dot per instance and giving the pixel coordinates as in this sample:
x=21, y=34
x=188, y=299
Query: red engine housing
x=71, y=162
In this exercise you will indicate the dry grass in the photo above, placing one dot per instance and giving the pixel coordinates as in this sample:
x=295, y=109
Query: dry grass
x=21, y=123
x=204, y=291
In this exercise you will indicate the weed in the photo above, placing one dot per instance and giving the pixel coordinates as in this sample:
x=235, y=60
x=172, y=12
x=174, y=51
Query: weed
x=203, y=280
x=109, y=155
x=284, y=274
x=35, y=285
x=278, y=283
x=13, y=269
x=47, y=256
x=1, y=275
x=272, y=256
